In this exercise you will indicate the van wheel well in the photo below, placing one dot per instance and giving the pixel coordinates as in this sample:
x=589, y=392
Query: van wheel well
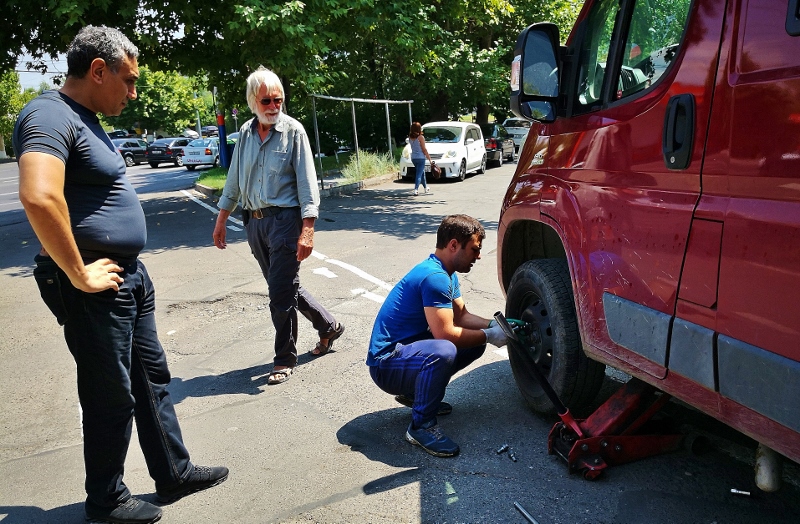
x=528, y=240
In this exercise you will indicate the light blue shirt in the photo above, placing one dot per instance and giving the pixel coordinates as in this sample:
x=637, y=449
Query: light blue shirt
x=276, y=172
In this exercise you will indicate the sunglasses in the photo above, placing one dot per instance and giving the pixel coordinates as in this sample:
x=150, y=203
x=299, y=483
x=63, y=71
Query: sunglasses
x=266, y=101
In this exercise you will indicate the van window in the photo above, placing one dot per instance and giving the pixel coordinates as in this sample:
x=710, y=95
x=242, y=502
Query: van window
x=650, y=45
x=593, y=55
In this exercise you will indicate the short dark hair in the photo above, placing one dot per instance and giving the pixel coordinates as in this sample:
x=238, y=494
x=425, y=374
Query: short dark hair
x=460, y=227
x=98, y=42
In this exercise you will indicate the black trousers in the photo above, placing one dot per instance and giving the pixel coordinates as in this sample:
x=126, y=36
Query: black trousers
x=273, y=241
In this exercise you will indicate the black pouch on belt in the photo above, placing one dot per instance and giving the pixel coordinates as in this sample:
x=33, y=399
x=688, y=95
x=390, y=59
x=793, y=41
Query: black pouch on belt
x=48, y=279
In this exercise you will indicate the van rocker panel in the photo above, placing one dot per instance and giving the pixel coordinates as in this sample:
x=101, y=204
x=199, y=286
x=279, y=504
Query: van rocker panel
x=762, y=381
x=638, y=328
x=691, y=352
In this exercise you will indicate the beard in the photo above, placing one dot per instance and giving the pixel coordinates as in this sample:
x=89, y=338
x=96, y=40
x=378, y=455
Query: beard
x=268, y=120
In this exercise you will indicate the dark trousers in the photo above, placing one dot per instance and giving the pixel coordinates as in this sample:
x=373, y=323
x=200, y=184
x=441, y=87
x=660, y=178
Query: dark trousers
x=423, y=369
x=122, y=375
x=273, y=241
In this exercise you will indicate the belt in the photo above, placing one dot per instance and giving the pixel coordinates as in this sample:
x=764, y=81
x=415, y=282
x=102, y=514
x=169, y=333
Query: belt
x=265, y=212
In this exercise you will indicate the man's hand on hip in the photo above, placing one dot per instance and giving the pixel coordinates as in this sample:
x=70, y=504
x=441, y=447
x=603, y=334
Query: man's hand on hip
x=99, y=276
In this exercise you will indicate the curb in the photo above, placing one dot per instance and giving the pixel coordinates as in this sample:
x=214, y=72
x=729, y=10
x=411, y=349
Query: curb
x=355, y=186
x=330, y=191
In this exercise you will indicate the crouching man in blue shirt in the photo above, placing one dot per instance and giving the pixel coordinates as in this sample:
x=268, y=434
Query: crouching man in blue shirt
x=423, y=333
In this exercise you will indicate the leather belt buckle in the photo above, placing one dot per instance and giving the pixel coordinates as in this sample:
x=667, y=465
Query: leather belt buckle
x=256, y=213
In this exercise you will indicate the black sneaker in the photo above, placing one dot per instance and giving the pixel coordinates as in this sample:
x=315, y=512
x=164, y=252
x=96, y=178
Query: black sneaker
x=132, y=511
x=201, y=477
x=444, y=407
x=430, y=438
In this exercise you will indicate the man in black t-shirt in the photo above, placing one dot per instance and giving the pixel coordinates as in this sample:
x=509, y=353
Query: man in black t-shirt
x=91, y=225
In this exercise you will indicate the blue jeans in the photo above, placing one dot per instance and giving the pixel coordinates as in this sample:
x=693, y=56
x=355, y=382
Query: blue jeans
x=419, y=169
x=122, y=375
x=422, y=370
x=273, y=241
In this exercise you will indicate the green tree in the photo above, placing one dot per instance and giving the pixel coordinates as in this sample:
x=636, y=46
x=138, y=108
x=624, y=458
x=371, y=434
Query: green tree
x=165, y=101
x=12, y=101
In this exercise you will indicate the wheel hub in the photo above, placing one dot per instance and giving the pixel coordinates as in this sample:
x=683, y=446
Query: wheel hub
x=540, y=333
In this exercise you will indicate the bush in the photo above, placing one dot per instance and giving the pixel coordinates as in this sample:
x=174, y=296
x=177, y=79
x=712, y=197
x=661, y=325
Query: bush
x=369, y=165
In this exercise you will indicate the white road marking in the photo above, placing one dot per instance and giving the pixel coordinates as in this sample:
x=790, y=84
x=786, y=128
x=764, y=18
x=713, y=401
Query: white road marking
x=366, y=294
x=234, y=228
x=325, y=272
x=316, y=254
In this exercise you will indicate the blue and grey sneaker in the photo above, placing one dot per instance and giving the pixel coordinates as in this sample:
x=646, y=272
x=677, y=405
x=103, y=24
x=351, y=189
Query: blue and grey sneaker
x=430, y=438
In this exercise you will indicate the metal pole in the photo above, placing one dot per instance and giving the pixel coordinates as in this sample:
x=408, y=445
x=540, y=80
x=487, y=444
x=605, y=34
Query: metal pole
x=388, y=130
x=199, y=129
x=316, y=135
x=355, y=131
x=410, y=118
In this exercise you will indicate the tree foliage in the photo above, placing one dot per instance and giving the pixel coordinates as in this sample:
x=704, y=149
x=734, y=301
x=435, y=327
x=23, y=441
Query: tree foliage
x=450, y=56
x=165, y=101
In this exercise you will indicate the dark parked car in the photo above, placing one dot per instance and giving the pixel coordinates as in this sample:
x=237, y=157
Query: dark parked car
x=167, y=150
x=132, y=150
x=210, y=131
x=118, y=133
x=498, y=142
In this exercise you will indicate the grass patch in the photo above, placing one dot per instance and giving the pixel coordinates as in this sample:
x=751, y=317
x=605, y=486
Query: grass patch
x=370, y=165
x=214, y=177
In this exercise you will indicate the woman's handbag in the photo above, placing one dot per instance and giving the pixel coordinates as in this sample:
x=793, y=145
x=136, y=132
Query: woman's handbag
x=436, y=171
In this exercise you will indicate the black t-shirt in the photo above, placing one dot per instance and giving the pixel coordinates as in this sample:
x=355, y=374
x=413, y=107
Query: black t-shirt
x=106, y=216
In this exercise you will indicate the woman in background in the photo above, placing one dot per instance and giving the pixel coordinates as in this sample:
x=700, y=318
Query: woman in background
x=418, y=155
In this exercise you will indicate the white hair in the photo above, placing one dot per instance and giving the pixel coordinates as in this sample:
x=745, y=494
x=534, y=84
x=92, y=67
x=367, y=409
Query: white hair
x=261, y=77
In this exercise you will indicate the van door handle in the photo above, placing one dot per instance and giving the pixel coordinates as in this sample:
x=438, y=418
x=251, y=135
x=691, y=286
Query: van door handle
x=678, y=137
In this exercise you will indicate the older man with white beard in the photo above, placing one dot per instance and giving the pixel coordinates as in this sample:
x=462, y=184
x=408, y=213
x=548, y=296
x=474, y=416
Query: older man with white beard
x=272, y=177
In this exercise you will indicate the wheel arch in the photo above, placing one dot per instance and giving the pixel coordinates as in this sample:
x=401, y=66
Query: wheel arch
x=526, y=240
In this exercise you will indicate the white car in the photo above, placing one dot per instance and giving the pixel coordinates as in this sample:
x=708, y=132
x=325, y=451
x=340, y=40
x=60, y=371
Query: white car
x=517, y=128
x=201, y=152
x=456, y=147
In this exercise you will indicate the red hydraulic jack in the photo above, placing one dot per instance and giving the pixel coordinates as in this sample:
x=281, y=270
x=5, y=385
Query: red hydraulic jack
x=611, y=435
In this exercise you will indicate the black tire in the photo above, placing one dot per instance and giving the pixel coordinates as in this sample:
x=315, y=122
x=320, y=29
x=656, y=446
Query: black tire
x=512, y=156
x=541, y=293
x=179, y=160
x=462, y=171
x=190, y=168
x=500, y=159
x=128, y=160
x=482, y=169
x=153, y=164
x=216, y=162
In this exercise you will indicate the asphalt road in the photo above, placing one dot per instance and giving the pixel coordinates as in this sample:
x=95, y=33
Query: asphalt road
x=327, y=446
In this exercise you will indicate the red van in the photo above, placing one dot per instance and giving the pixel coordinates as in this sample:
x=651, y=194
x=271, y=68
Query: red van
x=653, y=222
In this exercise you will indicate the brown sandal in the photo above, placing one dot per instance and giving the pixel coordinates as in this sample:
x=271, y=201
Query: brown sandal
x=320, y=349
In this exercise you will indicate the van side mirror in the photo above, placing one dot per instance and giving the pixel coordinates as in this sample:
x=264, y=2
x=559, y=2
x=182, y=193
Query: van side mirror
x=535, y=73
x=470, y=140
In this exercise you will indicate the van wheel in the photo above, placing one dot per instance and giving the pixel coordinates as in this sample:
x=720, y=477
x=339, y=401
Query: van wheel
x=153, y=164
x=482, y=169
x=462, y=171
x=190, y=168
x=541, y=293
x=179, y=160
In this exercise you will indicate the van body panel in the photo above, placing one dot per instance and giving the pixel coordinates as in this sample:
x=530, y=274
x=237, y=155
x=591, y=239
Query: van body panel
x=687, y=278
